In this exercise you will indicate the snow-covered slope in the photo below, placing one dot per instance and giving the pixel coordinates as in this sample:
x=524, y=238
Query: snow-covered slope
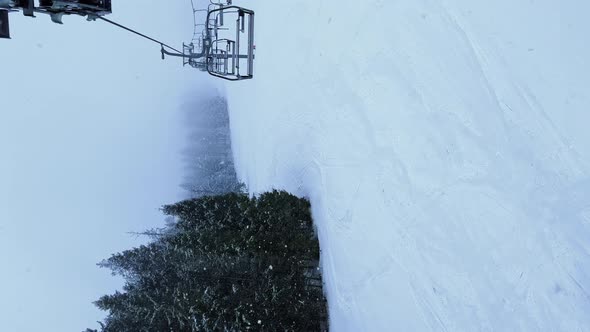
x=445, y=148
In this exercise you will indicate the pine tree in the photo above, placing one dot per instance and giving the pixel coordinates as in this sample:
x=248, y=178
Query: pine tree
x=228, y=263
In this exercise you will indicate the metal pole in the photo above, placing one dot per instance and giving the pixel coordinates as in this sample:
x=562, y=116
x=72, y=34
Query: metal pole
x=238, y=44
x=251, y=45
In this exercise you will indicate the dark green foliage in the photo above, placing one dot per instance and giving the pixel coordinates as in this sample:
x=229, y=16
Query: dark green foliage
x=228, y=263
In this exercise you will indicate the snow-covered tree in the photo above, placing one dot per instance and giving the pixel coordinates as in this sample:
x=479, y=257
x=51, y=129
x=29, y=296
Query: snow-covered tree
x=209, y=168
x=227, y=263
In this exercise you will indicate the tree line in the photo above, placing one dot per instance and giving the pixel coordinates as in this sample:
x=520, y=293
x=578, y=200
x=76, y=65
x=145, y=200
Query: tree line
x=227, y=263
x=207, y=157
x=224, y=261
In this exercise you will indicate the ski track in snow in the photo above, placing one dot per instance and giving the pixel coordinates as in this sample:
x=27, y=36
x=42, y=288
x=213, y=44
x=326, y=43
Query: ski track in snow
x=443, y=146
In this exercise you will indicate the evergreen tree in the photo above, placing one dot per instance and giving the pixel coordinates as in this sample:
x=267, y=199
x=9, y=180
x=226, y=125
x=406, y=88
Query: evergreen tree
x=208, y=157
x=227, y=263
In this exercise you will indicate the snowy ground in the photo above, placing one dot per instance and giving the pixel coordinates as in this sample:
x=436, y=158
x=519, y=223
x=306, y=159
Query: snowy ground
x=445, y=149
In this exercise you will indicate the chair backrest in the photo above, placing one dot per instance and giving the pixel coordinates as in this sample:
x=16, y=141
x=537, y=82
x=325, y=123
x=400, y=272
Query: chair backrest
x=4, y=24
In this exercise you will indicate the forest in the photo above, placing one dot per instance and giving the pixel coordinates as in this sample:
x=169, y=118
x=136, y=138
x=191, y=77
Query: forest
x=224, y=261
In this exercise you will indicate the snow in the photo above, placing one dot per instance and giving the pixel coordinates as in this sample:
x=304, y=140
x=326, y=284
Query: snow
x=444, y=148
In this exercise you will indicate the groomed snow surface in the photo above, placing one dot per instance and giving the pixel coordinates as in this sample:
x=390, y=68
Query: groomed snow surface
x=445, y=147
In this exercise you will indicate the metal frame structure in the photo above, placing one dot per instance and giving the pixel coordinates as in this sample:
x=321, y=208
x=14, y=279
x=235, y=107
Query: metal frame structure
x=223, y=50
x=214, y=48
x=218, y=60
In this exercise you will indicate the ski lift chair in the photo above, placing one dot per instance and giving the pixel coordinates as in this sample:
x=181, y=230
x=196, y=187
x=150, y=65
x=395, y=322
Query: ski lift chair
x=226, y=55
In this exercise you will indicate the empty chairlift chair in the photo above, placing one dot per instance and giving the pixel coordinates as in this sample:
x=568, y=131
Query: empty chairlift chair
x=230, y=53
